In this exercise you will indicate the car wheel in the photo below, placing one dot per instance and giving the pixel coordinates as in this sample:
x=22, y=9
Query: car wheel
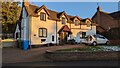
x=94, y=43
x=107, y=43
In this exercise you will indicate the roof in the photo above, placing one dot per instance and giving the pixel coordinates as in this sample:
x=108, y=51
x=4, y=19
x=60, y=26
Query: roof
x=32, y=10
x=84, y=20
x=102, y=26
x=65, y=28
x=100, y=29
x=115, y=15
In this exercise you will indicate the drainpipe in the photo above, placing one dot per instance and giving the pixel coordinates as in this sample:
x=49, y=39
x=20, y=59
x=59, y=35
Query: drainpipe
x=56, y=32
x=91, y=26
x=80, y=25
x=70, y=30
x=30, y=26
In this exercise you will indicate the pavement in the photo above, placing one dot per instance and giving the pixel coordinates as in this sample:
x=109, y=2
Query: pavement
x=16, y=55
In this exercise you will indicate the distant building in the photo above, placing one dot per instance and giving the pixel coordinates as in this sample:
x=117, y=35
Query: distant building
x=108, y=23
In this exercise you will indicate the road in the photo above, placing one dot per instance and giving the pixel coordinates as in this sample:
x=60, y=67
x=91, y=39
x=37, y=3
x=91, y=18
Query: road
x=34, y=57
x=67, y=63
x=15, y=55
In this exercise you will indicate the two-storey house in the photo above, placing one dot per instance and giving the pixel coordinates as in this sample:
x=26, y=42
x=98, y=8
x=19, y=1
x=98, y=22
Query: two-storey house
x=40, y=25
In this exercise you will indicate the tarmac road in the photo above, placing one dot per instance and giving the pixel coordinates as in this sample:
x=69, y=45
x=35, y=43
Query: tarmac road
x=67, y=63
x=30, y=59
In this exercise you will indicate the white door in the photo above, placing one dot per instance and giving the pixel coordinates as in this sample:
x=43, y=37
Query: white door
x=77, y=39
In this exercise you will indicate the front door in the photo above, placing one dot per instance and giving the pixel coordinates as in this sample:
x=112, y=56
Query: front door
x=64, y=37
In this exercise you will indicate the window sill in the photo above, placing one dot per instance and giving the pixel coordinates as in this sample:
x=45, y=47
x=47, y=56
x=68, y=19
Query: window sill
x=43, y=36
x=42, y=20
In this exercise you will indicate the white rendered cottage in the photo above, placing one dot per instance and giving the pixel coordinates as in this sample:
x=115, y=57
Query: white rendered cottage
x=39, y=25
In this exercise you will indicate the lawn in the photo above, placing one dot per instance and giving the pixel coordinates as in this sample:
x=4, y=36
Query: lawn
x=87, y=48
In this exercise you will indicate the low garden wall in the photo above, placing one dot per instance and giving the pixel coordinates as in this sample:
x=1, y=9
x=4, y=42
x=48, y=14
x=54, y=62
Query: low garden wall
x=8, y=43
x=83, y=55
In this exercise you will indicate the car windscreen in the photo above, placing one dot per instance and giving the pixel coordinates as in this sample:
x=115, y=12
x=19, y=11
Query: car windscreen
x=96, y=36
x=99, y=36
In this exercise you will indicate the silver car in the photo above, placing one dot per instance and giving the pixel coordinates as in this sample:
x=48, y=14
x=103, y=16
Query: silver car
x=96, y=39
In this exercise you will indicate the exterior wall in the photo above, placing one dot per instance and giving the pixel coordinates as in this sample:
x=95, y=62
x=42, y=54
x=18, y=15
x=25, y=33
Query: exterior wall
x=17, y=31
x=25, y=26
x=76, y=30
x=36, y=23
x=112, y=25
x=105, y=21
x=25, y=29
x=51, y=26
x=60, y=25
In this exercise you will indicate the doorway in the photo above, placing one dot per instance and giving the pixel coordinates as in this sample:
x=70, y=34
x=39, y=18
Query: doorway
x=64, y=37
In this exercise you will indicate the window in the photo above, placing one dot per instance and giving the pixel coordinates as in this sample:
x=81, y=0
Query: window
x=83, y=35
x=88, y=24
x=43, y=16
x=52, y=38
x=42, y=32
x=63, y=20
x=76, y=22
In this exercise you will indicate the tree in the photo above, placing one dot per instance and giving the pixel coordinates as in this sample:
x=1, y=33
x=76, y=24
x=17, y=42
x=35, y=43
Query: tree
x=10, y=15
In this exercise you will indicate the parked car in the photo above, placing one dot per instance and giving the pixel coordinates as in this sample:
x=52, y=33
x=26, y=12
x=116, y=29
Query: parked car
x=71, y=41
x=96, y=39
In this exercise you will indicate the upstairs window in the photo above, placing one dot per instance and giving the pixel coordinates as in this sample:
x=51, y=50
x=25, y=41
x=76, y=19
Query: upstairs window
x=42, y=16
x=63, y=20
x=88, y=23
x=76, y=22
x=42, y=32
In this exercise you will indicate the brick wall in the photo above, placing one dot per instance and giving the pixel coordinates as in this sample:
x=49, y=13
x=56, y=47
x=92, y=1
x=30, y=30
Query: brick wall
x=70, y=56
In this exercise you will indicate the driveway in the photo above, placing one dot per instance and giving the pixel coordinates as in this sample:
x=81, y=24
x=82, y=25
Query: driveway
x=16, y=55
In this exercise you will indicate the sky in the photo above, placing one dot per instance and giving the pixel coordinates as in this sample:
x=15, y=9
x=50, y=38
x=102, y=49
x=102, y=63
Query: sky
x=81, y=9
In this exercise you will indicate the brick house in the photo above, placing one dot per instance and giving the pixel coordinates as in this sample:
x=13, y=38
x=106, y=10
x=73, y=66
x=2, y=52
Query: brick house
x=108, y=23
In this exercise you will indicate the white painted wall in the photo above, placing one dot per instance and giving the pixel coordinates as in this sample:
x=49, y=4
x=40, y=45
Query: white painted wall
x=34, y=23
x=17, y=31
x=88, y=32
x=24, y=26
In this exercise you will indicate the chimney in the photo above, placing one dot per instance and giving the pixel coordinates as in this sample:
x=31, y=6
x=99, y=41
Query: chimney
x=98, y=8
x=25, y=3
